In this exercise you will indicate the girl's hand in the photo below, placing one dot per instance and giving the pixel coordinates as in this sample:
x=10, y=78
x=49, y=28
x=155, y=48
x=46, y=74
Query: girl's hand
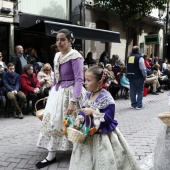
x=77, y=123
x=71, y=108
x=88, y=111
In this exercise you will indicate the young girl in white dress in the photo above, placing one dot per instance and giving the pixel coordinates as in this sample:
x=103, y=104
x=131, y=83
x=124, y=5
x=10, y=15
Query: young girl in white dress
x=108, y=149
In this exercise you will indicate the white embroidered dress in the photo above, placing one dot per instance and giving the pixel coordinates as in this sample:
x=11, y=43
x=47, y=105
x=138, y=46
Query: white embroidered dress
x=108, y=151
x=160, y=158
x=50, y=136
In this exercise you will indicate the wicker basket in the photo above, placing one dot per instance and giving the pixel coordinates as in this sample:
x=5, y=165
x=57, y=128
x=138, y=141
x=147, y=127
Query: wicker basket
x=39, y=113
x=165, y=118
x=76, y=136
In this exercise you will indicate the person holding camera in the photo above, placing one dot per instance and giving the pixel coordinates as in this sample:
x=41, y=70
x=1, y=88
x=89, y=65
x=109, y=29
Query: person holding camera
x=31, y=86
x=45, y=77
x=11, y=83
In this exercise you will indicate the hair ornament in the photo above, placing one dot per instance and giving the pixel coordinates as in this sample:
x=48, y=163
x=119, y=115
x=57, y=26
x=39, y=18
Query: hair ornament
x=72, y=37
x=104, y=74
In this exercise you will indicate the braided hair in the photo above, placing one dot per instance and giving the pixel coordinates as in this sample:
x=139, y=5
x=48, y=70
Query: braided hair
x=100, y=73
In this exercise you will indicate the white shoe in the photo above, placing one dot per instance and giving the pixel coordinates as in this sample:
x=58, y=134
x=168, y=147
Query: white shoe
x=140, y=108
x=133, y=107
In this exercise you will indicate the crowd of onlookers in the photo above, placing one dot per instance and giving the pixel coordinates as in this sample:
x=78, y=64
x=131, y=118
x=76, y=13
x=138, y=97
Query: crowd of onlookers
x=26, y=78
x=158, y=73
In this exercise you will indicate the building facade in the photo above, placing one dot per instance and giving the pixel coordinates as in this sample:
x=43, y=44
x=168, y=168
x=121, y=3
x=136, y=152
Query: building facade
x=28, y=24
x=96, y=17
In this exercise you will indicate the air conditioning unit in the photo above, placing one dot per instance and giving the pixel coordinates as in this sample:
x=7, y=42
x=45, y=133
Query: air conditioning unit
x=5, y=10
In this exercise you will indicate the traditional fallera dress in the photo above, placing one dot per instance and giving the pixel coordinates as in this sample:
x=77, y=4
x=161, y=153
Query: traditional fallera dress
x=160, y=158
x=67, y=87
x=108, y=149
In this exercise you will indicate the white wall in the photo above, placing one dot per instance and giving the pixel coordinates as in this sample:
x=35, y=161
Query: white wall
x=8, y=18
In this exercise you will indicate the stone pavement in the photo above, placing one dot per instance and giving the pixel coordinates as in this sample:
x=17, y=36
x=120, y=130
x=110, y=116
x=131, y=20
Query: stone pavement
x=18, y=138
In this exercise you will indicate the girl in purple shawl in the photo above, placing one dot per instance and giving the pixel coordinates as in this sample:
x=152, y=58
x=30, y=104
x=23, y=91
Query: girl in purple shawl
x=108, y=149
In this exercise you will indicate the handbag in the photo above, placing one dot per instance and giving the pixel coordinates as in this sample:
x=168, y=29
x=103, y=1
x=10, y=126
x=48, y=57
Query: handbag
x=39, y=113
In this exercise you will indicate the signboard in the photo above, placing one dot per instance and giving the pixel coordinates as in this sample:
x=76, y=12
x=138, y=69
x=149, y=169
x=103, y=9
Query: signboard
x=152, y=39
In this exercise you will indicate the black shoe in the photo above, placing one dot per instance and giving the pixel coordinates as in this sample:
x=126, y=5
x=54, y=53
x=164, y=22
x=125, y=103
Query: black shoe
x=155, y=93
x=40, y=165
x=160, y=91
x=33, y=113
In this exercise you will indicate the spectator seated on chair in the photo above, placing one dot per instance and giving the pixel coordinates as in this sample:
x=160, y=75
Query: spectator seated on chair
x=18, y=59
x=165, y=64
x=118, y=62
x=167, y=73
x=31, y=86
x=153, y=81
x=3, y=66
x=31, y=56
x=114, y=85
x=89, y=59
x=147, y=64
x=124, y=82
x=46, y=77
x=11, y=83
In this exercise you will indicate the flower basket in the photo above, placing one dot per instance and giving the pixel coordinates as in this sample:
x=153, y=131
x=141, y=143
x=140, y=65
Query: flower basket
x=165, y=118
x=39, y=113
x=77, y=136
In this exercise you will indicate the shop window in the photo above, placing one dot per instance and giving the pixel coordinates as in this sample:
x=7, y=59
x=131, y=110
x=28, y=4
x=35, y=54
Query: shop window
x=49, y=8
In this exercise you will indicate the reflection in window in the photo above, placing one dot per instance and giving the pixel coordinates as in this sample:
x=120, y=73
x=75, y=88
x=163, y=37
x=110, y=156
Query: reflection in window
x=50, y=8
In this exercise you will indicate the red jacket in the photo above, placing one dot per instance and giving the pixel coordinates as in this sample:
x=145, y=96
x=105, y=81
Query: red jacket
x=147, y=63
x=26, y=85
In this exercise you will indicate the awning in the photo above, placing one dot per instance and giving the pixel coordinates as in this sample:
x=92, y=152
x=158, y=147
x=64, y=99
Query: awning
x=50, y=29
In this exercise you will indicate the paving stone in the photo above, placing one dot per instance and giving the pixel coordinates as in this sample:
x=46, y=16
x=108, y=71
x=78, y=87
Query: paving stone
x=4, y=157
x=13, y=160
x=4, y=164
x=11, y=166
x=33, y=160
x=22, y=163
x=18, y=138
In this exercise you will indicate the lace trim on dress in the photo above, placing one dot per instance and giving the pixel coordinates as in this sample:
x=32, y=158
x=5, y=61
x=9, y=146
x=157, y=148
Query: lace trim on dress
x=102, y=103
x=98, y=118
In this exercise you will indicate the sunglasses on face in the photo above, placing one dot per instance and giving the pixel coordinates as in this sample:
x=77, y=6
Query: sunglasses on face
x=47, y=70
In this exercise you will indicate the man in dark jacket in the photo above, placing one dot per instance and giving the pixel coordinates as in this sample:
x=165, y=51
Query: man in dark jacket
x=18, y=59
x=136, y=72
x=11, y=82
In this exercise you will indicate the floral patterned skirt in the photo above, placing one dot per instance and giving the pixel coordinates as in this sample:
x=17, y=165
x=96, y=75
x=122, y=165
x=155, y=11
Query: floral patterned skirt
x=50, y=136
x=107, y=152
